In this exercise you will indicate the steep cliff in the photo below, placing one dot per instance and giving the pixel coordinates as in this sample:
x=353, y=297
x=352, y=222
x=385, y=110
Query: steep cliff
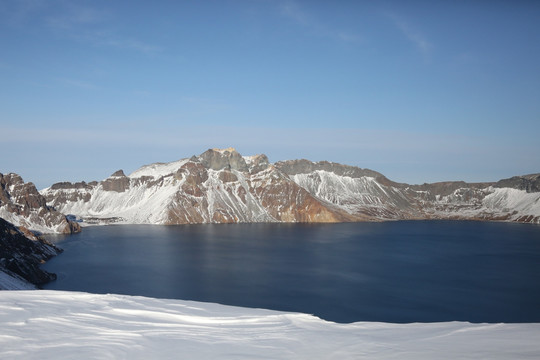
x=21, y=253
x=22, y=205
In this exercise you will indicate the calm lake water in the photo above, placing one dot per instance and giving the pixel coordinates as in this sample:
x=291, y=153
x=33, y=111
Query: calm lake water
x=405, y=271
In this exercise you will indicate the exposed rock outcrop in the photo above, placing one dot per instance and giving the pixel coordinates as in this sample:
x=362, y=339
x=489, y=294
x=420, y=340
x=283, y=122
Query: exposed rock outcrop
x=21, y=254
x=118, y=182
x=303, y=166
x=217, y=159
x=529, y=183
x=23, y=205
x=257, y=163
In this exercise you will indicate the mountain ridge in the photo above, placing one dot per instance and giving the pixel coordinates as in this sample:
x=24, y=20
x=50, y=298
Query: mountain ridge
x=22, y=205
x=222, y=186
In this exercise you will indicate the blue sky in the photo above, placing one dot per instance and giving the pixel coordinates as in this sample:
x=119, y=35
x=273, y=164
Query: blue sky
x=421, y=91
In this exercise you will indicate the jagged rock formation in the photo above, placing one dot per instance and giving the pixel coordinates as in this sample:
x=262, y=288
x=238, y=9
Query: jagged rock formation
x=22, y=205
x=21, y=253
x=221, y=186
x=529, y=183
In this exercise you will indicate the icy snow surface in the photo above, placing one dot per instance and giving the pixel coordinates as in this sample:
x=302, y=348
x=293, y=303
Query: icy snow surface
x=13, y=282
x=69, y=325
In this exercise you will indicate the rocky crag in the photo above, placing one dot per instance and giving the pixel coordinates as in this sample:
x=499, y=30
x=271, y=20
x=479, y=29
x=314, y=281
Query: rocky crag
x=22, y=205
x=222, y=186
x=21, y=253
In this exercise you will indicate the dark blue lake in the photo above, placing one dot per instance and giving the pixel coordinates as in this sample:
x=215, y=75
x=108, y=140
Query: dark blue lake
x=405, y=271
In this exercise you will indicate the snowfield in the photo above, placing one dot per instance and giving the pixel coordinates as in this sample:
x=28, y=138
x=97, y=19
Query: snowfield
x=68, y=325
x=11, y=281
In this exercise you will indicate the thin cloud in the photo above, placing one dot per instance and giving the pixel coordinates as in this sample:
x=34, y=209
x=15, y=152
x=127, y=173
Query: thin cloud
x=73, y=21
x=105, y=38
x=417, y=38
x=292, y=11
x=466, y=58
x=124, y=43
x=88, y=25
x=75, y=15
x=18, y=13
x=78, y=84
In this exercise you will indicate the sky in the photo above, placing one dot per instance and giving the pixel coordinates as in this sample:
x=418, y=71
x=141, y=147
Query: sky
x=421, y=91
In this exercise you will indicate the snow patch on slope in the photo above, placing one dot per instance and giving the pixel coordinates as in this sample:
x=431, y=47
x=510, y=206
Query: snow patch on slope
x=140, y=204
x=354, y=195
x=518, y=201
x=225, y=196
x=157, y=170
x=67, y=325
x=492, y=203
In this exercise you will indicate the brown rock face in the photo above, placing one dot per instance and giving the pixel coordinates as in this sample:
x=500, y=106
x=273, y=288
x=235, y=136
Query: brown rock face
x=258, y=163
x=116, y=182
x=65, y=192
x=227, y=176
x=194, y=172
x=214, y=190
x=22, y=203
x=288, y=202
x=293, y=167
x=19, y=196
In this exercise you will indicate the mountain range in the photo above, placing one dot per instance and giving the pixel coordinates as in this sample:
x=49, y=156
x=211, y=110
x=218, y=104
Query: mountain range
x=222, y=186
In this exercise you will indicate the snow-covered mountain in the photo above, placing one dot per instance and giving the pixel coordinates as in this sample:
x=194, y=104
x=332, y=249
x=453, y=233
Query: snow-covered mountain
x=221, y=186
x=218, y=186
x=22, y=205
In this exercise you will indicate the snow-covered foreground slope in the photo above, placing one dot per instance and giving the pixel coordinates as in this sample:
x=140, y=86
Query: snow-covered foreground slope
x=68, y=325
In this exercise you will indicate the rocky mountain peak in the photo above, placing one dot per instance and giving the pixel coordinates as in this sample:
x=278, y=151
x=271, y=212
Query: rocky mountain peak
x=118, y=182
x=119, y=173
x=218, y=159
x=257, y=163
x=19, y=197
